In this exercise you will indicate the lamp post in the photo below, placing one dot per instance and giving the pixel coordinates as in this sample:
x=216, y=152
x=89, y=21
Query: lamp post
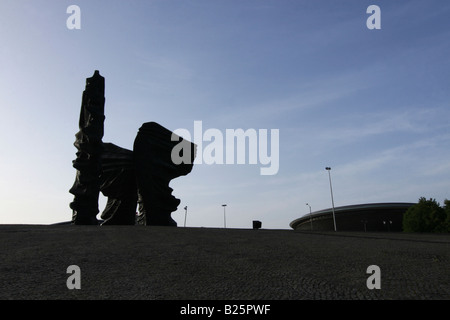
x=387, y=223
x=310, y=219
x=224, y=217
x=365, y=223
x=185, y=214
x=332, y=200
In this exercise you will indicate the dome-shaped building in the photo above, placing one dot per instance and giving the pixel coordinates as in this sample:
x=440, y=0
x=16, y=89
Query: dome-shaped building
x=361, y=217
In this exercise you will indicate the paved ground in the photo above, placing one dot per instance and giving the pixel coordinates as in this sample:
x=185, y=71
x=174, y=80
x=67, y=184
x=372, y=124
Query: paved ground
x=123, y=262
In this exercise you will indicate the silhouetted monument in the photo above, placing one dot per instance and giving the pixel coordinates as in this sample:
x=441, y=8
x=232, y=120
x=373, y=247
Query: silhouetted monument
x=125, y=177
x=89, y=144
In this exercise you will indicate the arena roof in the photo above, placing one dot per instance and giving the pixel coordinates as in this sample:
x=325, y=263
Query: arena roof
x=386, y=216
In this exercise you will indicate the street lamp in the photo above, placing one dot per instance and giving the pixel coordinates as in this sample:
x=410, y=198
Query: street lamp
x=185, y=214
x=332, y=200
x=224, y=217
x=387, y=223
x=310, y=219
x=365, y=223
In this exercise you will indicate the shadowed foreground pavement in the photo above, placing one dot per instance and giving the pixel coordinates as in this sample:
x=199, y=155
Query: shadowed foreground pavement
x=134, y=262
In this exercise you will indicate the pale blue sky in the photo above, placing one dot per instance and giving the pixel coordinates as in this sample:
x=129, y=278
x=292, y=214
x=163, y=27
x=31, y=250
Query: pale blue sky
x=371, y=104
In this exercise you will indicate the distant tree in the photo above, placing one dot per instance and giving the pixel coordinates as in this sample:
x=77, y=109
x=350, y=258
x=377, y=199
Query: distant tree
x=447, y=211
x=425, y=216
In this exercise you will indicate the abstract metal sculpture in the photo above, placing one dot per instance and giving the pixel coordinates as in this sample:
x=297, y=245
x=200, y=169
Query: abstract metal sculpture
x=125, y=177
